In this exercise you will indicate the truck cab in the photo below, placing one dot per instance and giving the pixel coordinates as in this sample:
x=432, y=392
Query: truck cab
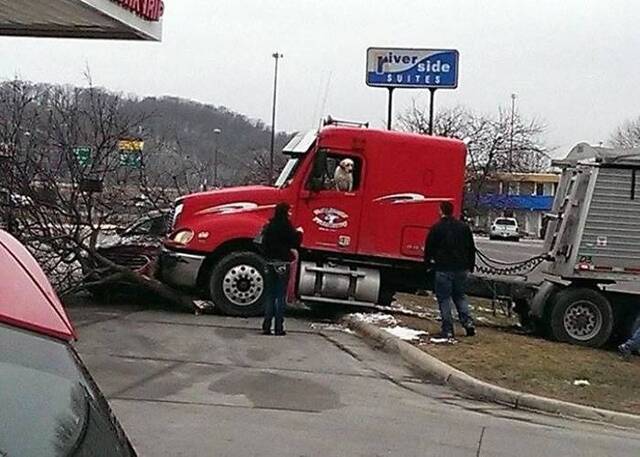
x=362, y=241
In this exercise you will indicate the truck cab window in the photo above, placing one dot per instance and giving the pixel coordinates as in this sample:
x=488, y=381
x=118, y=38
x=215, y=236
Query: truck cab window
x=337, y=172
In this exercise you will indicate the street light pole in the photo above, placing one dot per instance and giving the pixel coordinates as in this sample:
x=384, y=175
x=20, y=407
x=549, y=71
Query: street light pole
x=217, y=133
x=277, y=56
x=513, y=110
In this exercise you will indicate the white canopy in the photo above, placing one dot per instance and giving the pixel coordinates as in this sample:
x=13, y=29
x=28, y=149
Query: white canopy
x=106, y=19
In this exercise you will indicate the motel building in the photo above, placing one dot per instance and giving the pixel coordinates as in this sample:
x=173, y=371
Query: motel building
x=99, y=19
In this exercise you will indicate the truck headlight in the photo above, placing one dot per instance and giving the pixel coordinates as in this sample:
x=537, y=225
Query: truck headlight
x=183, y=236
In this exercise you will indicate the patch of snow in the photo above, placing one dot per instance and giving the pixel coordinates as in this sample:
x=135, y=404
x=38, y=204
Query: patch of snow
x=405, y=333
x=375, y=318
x=203, y=304
x=581, y=382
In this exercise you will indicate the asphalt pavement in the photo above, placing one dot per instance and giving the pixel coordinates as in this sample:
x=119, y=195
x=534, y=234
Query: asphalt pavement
x=185, y=385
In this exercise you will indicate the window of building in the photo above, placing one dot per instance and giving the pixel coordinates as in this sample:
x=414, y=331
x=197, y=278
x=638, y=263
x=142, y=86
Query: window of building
x=514, y=188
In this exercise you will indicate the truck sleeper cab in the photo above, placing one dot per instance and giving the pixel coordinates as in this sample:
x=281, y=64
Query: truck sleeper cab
x=360, y=245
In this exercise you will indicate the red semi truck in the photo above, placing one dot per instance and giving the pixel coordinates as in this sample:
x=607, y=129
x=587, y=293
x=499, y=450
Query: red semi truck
x=359, y=247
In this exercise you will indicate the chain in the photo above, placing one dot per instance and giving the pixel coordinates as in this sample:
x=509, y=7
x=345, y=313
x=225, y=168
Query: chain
x=494, y=267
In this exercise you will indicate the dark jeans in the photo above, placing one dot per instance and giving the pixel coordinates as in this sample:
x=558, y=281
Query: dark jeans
x=633, y=343
x=450, y=286
x=277, y=302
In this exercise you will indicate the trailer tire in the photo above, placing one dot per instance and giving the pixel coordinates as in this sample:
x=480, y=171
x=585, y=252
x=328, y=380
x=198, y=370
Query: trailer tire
x=238, y=284
x=581, y=316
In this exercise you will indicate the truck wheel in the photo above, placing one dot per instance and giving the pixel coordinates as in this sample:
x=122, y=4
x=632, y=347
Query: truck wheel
x=238, y=284
x=581, y=316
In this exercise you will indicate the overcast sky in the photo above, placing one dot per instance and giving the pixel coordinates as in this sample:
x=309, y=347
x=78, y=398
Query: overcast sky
x=572, y=63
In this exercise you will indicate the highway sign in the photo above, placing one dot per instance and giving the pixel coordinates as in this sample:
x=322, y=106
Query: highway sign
x=82, y=155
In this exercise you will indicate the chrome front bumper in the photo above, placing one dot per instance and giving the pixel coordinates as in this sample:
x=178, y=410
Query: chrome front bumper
x=180, y=269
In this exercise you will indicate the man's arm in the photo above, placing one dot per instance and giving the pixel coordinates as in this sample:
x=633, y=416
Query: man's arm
x=471, y=249
x=430, y=245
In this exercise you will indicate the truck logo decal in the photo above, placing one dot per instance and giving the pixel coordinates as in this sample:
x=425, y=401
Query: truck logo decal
x=397, y=199
x=237, y=207
x=330, y=218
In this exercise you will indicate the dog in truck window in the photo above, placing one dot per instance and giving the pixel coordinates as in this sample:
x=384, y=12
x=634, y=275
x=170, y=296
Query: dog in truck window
x=343, y=176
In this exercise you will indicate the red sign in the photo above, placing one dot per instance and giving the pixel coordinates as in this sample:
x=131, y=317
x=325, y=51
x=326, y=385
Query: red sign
x=150, y=10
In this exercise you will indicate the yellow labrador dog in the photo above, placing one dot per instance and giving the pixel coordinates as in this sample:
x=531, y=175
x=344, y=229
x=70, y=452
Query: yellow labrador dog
x=343, y=176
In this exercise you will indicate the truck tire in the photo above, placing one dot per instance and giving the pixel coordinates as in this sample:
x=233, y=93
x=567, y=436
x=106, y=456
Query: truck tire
x=238, y=284
x=581, y=316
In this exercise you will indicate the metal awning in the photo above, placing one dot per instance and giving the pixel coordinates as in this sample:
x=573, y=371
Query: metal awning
x=105, y=19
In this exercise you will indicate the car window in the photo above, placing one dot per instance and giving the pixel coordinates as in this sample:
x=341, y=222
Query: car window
x=158, y=226
x=139, y=228
x=505, y=222
x=55, y=409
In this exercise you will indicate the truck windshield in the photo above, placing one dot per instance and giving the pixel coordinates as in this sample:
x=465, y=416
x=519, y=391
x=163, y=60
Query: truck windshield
x=288, y=172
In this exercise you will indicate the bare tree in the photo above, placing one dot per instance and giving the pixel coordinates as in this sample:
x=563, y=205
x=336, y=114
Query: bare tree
x=627, y=135
x=69, y=178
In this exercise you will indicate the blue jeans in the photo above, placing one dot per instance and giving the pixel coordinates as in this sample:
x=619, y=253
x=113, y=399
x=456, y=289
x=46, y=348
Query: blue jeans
x=450, y=286
x=276, y=303
x=633, y=343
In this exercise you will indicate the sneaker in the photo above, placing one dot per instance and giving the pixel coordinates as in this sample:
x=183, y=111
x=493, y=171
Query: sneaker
x=470, y=331
x=281, y=333
x=624, y=351
x=266, y=332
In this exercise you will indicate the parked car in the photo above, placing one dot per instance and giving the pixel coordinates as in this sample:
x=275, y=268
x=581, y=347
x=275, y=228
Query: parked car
x=138, y=244
x=50, y=404
x=505, y=228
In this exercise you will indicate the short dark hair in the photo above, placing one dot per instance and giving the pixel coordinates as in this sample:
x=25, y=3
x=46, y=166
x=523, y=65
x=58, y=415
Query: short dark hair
x=446, y=208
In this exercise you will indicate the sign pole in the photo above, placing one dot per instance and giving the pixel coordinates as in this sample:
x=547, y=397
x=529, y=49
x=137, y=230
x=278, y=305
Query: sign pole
x=432, y=90
x=390, y=109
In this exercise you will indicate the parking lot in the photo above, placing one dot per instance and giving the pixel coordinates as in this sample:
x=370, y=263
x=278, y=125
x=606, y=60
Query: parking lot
x=185, y=385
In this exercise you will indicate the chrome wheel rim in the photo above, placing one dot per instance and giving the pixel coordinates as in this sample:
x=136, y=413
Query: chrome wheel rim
x=243, y=285
x=582, y=320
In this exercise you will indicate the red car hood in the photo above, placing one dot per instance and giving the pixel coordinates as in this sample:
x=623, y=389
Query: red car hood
x=28, y=301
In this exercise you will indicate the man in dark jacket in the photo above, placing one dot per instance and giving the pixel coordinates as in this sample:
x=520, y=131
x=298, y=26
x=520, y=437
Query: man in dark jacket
x=451, y=252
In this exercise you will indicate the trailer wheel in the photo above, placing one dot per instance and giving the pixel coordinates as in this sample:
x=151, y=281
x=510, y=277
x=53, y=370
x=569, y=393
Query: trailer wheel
x=581, y=316
x=238, y=284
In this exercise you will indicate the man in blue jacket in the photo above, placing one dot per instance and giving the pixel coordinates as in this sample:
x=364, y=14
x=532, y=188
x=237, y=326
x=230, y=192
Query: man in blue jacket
x=451, y=252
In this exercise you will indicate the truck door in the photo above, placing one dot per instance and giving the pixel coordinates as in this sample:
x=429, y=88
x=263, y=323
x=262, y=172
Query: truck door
x=330, y=204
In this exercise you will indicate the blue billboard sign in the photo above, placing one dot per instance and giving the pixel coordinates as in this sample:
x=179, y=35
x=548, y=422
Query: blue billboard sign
x=412, y=68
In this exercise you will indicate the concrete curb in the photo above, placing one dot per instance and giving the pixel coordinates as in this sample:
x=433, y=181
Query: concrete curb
x=442, y=373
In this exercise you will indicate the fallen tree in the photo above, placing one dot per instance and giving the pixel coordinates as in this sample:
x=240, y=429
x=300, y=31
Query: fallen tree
x=73, y=164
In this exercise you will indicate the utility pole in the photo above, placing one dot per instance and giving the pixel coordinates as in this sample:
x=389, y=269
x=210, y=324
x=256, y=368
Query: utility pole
x=513, y=112
x=277, y=56
x=217, y=133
